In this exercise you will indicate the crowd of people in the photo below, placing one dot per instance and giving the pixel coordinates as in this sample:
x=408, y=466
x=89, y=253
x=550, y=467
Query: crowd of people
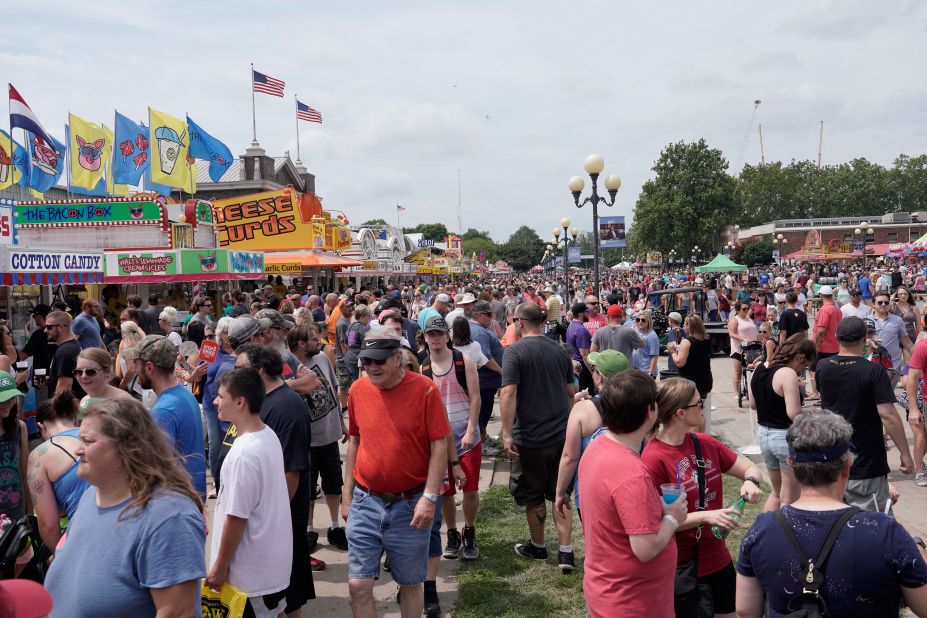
x=134, y=436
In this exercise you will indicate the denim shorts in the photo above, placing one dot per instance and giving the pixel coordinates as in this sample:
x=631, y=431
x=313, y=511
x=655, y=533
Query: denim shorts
x=374, y=527
x=434, y=540
x=774, y=447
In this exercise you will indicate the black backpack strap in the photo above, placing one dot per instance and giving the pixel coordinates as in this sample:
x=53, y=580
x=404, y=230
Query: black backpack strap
x=426, y=366
x=814, y=575
x=460, y=369
x=700, y=506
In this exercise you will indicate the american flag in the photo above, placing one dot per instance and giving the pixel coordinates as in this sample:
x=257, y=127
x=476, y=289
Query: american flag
x=304, y=112
x=266, y=84
x=400, y=208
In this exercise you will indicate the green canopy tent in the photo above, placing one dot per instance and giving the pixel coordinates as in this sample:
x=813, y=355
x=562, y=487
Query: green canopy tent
x=720, y=264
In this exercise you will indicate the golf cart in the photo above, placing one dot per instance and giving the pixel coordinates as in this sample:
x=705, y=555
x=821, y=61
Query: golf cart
x=669, y=302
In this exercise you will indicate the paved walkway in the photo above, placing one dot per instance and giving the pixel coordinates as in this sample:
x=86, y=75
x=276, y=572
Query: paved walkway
x=730, y=423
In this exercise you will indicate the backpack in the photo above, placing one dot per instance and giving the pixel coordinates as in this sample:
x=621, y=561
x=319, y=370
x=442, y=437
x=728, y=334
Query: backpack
x=809, y=603
x=460, y=368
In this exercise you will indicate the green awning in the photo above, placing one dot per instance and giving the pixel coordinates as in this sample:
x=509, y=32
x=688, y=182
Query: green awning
x=720, y=264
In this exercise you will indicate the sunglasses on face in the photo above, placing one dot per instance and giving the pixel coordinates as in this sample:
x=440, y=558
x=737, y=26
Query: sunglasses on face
x=374, y=361
x=90, y=373
x=51, y=326
x=881, y=302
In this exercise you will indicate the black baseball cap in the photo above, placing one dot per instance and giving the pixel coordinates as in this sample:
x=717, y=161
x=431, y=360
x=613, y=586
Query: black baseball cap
x=851, y=330
x=378, y=349
x=41, y=309
x=579, y=308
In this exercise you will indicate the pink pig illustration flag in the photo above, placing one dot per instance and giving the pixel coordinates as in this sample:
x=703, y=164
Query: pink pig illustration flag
x=88, y=148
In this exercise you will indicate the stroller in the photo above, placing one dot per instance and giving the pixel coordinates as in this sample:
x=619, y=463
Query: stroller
x=749, y=352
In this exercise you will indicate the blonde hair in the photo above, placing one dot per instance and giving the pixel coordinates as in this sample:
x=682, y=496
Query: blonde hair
x=673, y=394
x=129, y=328
x=168, y=314
x=149, y=460
x=695, y=327
x=98, y=355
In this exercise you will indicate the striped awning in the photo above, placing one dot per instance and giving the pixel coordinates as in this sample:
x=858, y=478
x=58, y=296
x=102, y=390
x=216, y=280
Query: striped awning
x=66, y=278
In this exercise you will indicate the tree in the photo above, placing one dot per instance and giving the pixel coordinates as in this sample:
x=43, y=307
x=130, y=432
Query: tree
x=689, y=200
x=473, y=233
x=374, y=223
x=757, y=253
x=483, y=245
x=431, y=231
x=523, y=249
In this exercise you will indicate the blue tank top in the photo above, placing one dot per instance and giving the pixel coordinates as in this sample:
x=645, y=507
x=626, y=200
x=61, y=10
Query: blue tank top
x=68, y=488
x=585, y=443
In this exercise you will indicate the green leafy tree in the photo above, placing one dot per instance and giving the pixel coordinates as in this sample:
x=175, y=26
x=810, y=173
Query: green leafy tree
x=480, y=245
x=374, y=223
x=908, y=180
x=473, y=233
x=757, y=253
x=431, y=231
x=523, y=249
x=689, y=200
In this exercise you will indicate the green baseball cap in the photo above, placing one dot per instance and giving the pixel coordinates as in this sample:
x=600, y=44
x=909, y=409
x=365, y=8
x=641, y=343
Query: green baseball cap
x=8, y=388
x=609, y=362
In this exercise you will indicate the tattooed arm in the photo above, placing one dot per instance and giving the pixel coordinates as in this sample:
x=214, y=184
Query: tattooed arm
x=46, y=505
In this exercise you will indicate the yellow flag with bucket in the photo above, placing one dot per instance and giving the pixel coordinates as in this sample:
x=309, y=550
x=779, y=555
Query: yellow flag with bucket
x=170, y=143
x=88, y=147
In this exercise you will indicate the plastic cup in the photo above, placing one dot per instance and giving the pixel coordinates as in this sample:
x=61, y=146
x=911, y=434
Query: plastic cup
x=670, y=492
x=40, y=372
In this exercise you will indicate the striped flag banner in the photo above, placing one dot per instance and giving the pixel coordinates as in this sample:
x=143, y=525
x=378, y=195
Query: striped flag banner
x=304, y=112
x=266, y=84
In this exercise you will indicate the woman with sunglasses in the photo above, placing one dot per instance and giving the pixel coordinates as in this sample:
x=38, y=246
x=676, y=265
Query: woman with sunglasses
x=741, y=330
x=202, y=308
x=775, y=394
x=53, y=464
x=93, y=372
x=904, y=307
x=8, y=354
x=645, y=357
x=671, y=458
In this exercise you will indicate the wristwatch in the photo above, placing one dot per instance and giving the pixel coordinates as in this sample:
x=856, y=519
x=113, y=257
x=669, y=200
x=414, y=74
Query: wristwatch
x=754, y=480
x=433, y=498
x=456, y=462
x=919, y=542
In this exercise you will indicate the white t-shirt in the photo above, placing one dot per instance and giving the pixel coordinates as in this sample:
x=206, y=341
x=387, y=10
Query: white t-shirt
x=849, y=311
x=453, y=315
x=475, y=352
x=254, y=488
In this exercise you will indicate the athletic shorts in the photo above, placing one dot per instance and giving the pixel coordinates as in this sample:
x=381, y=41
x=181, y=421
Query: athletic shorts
x=534, y=475
x=723, y=585
x=325, y=461
x=470, y=462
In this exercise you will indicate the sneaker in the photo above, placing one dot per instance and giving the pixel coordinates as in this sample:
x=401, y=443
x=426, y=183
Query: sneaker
x=471, y=550
x=565, y=562
x=338, y=538
x=921, y=479
x=432, y=605
x=452, y=549
x=489, y=449
x=313, y=537
x=528, y=550
x=316, y=564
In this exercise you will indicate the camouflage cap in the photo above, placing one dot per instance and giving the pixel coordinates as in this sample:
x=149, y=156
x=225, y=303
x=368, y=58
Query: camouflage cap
x=158, y=350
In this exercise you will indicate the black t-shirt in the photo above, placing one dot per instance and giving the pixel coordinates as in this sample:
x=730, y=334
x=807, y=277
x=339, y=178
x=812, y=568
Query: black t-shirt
x=896, y=279
x=698, y=365
x=770, y=406
x=542, y=370
x=62, y=366
x=852, y=387
x=40, y=349
x=793, y=321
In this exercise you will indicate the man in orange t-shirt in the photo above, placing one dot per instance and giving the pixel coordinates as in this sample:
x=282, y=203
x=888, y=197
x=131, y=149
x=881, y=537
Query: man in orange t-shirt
x=334, y=306
x=397, y=458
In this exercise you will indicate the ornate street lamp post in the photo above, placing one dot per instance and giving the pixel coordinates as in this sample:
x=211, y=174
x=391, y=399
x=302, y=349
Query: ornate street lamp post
x=780, y=242
x=594, y=166
x=863, y=230
x=567, y=241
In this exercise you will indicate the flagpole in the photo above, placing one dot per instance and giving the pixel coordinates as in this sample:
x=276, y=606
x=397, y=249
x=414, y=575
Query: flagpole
x=253, y=116
x=67, y=163
x=296, y=101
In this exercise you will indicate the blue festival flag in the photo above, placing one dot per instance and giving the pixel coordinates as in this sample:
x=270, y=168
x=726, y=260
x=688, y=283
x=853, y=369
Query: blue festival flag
x=48, y=162
x=204, y=146
x=131, y=152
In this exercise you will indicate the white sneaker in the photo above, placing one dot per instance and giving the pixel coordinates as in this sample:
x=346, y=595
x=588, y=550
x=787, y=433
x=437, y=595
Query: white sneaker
x=921, y=479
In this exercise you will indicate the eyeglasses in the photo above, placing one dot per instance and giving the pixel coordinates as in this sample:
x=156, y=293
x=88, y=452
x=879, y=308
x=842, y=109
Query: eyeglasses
x=86, y=372
x=698, y=404
x=50, y=326
x=642, y=320
x=374, y=361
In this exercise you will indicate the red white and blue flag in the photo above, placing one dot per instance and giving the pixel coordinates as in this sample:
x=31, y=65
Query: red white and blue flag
x=304, y=112
x=400, y=208
x=21, y=116
x=267, y=84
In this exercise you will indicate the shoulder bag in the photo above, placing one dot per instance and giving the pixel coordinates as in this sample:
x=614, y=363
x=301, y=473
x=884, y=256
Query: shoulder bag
x=692, y=599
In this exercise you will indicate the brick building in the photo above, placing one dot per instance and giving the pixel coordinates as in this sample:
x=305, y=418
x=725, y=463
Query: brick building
x=896, y=227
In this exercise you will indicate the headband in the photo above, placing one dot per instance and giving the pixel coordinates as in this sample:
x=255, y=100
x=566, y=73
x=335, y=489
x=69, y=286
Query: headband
x=831, y=453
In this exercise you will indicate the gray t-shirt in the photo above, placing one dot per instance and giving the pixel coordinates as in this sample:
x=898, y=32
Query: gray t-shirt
x=620, y=338
x=341, y=336
x=323, y=403
x=542, y=370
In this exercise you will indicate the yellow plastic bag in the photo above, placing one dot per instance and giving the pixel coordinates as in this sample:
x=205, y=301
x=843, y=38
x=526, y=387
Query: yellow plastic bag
x=227, y=603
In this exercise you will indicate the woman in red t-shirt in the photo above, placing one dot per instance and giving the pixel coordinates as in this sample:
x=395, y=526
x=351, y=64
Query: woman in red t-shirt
x=670, y=457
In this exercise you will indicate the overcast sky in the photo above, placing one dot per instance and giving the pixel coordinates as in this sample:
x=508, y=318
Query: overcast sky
x=513, y=94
